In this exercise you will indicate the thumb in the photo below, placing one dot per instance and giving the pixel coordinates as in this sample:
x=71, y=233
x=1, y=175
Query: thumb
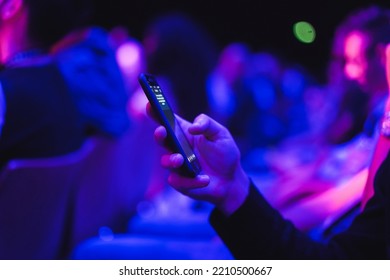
x=211, y=129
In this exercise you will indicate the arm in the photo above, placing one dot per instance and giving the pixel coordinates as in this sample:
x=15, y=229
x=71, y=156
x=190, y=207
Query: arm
x=257, y=231
x=324, y=208
x=381, y=149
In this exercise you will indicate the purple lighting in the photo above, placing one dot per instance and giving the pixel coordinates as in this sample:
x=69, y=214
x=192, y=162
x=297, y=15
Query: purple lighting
x=128, y=56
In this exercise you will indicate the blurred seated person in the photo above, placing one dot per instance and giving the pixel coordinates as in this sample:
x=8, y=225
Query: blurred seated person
x=322, y=163
x=44, y=106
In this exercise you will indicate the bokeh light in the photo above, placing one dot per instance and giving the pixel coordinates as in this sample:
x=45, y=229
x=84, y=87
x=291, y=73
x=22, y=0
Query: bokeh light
x=304, y=32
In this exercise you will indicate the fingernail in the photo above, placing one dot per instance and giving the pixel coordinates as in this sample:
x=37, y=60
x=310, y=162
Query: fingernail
x=176, y=159
x=203, y=177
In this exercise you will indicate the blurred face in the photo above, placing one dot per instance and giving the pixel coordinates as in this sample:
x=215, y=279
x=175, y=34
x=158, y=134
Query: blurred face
x=355, y=67
x=361, y=66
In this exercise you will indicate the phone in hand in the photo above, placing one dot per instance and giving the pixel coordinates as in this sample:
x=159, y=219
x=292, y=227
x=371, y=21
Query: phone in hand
x=177, y=140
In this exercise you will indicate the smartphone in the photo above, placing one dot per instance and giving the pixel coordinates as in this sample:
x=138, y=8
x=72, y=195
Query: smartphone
x=176, y=138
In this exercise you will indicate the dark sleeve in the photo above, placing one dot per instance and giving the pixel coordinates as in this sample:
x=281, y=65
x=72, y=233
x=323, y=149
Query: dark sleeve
x=257, y=231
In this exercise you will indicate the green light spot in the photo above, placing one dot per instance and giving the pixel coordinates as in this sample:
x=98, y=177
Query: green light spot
x=304, y=32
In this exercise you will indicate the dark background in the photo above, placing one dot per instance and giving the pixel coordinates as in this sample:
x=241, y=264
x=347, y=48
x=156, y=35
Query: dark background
x=264, y=25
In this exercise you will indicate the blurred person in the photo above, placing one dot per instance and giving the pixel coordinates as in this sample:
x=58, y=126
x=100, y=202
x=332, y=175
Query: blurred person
x=360, y=59
x=359, y=52
x=382, y=147
x=342, y=149
x=86, y=59
x=225, y=79
x=279, y=99
x=38, y=123
x=257, y=96
x=356, y=84
x=62, y=86
x=295, y=82
x=365, y=64
x=181, y=53
x=229, y=94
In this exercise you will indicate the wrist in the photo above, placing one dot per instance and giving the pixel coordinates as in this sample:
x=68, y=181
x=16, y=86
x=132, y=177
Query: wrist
x=236, y=192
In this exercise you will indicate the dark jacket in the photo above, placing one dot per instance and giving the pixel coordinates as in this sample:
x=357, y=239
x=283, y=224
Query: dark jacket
x=41, y=117
x=52, y=108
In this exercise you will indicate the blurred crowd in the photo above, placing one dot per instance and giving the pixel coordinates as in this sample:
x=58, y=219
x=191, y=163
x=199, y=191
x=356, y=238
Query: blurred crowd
x=307, y=144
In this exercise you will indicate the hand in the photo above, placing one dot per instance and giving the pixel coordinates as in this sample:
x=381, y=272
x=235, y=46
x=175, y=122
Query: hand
x=223, y=181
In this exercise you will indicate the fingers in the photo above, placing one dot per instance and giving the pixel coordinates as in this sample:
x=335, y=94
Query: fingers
x=160, y=135
x=186, y=184
x=172, y=161
x=208, y=127
x=179, y=182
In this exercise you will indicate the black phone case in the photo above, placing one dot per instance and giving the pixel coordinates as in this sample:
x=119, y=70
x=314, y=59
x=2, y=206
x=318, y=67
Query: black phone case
x=149, y=83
